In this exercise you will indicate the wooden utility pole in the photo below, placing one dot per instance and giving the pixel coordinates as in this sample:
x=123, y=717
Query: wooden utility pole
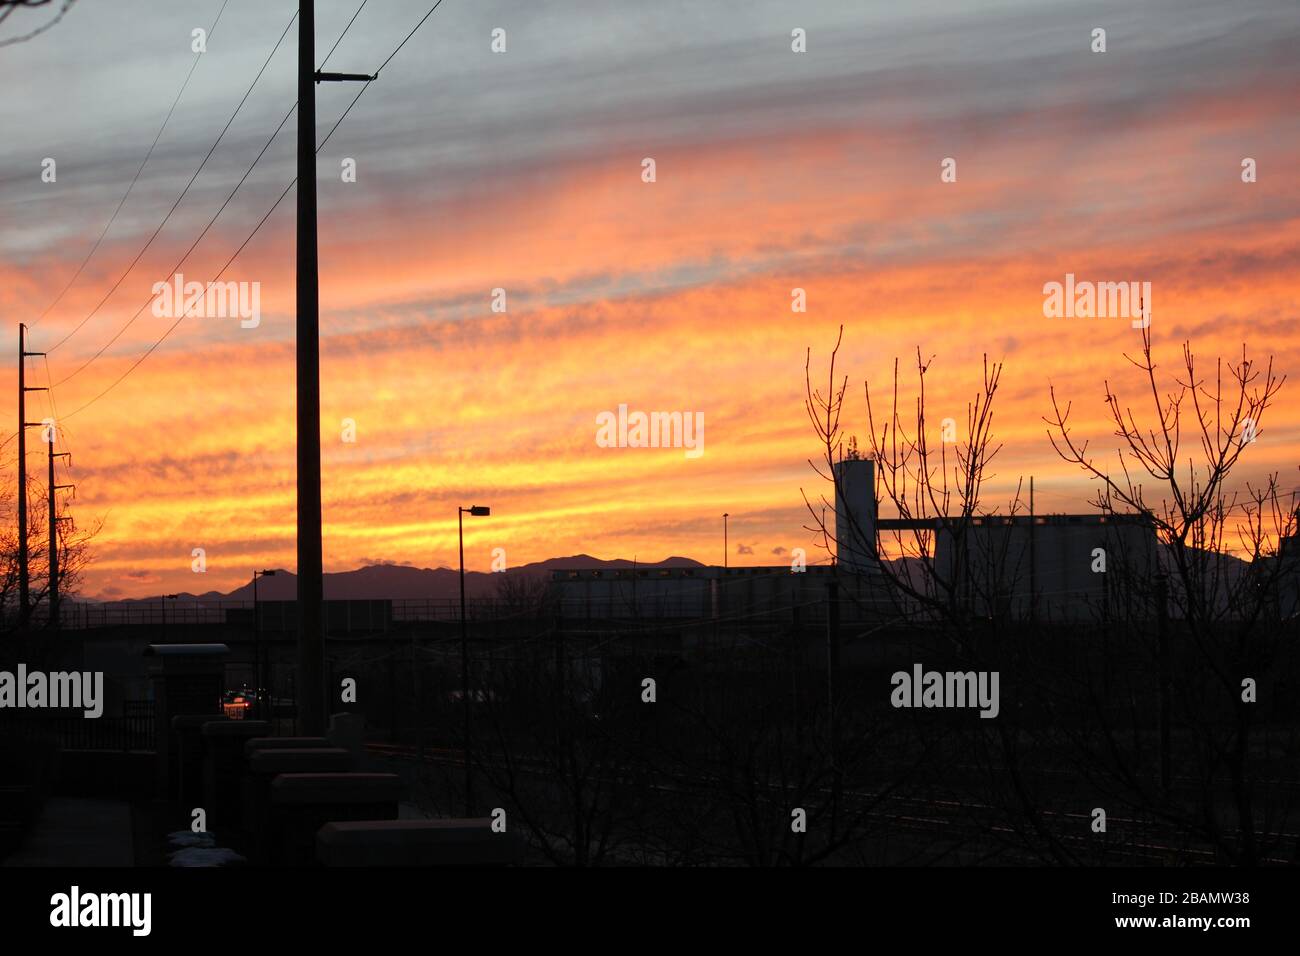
x=23, y=592
x=24, y=576
x=311, y=636
x=49, y=437
x=311, y=633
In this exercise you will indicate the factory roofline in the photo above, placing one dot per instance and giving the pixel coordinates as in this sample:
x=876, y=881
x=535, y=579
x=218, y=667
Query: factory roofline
x=701, y=571
x=1022, y=520
x=882, y=524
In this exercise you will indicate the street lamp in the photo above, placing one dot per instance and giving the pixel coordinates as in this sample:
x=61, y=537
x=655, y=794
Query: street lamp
x=262, y=710
x=725, y=516
x=477, y=511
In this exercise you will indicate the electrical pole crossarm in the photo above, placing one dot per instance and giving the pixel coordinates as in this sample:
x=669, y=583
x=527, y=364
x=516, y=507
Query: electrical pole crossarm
x=342, y=77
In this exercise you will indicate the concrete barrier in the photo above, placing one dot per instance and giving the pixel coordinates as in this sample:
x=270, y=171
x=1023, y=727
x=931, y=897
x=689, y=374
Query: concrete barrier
x=186, y=768
x=465, y=842
x=302, y=803
x=224, y=767
x=349, y=732
x=263, y=767
x=300, y=760
x=284, y=743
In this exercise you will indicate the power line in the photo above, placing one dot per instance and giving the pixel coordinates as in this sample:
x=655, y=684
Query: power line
x=101, y=351
x=264, y=218
x=179, y=198
x=183, y=315
x=49, y=378
x=342, y=35
x=134, y=179
x=206, y=228
x=173, y=270
x=408, y=37
x=129, y=322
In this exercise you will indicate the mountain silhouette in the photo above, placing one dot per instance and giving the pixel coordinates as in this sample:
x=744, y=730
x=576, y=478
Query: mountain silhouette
x=402, y=582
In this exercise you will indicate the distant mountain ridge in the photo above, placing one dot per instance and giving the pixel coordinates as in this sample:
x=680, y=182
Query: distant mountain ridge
x=402, y=582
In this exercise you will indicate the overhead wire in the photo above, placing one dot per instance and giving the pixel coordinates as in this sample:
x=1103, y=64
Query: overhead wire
x=162, y=338
x=179, y=198
x=134, y=179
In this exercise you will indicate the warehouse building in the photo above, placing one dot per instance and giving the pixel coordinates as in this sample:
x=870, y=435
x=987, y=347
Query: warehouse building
x=1047, y=567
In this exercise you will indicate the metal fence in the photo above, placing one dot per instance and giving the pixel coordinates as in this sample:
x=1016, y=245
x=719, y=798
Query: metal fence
x=270, y=616
x=133, y=730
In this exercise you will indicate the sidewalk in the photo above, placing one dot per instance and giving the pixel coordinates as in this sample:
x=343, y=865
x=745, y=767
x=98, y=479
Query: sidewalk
x=80, y=833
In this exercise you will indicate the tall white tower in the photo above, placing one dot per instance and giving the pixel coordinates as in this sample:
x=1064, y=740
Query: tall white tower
x=855, y=514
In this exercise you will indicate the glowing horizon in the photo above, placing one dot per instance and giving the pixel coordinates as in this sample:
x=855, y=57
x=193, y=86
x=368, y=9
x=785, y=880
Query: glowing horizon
x=823, y=173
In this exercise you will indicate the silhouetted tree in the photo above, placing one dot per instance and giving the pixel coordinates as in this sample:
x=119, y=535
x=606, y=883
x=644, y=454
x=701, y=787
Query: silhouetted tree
x=8, y=7
x=1195, y=749
x=74, y=552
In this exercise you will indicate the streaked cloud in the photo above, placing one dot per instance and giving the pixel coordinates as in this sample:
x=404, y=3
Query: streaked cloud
x=522, y=171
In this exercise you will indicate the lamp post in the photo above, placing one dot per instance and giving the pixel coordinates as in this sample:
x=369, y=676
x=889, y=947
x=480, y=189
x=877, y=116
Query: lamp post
x=725, y=516
x=262, y=709
x=166, y=598
x=477, y=511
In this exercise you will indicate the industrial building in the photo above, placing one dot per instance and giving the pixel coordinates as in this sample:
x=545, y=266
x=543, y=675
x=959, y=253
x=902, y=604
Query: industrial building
x=1028, y=566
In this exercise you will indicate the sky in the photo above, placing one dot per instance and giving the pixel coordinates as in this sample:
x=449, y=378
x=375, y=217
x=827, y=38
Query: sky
x=524, y=171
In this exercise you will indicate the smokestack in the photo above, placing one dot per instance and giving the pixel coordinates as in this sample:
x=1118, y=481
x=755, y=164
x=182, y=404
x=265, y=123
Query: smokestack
x=855, y=514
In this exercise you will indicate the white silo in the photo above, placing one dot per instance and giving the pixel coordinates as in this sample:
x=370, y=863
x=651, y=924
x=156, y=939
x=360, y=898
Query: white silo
x=855, y=514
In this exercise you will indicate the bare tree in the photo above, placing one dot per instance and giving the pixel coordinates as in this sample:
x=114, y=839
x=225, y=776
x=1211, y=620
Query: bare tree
x=526, y=595
x=7, y=7
x=1212, y=641
x=73, y=542
x=557, y=745
x=948, y=575
x=936, y=488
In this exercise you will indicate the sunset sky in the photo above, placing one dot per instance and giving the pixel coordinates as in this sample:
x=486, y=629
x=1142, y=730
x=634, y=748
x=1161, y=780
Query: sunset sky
x=523, y=171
